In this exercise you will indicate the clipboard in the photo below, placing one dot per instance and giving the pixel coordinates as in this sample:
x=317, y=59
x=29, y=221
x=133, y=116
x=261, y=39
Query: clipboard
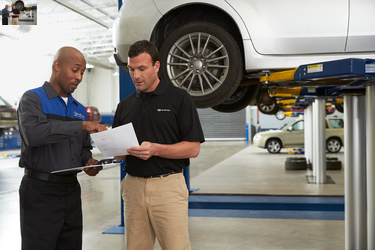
x=107, y=162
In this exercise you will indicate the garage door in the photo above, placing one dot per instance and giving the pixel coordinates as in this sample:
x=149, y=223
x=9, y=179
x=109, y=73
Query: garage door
x=223, y=126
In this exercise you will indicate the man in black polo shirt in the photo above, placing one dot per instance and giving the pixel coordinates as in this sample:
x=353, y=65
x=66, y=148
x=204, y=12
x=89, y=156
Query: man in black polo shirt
x=16, y=15
x=169, y=132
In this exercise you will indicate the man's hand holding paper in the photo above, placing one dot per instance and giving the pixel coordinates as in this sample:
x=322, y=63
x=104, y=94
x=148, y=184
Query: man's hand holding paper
x=116, y=141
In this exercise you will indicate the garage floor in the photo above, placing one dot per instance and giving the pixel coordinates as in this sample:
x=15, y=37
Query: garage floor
x=229, y=167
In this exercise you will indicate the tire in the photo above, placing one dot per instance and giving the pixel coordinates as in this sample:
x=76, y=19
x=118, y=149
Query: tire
x=209, y=81
x=332, y=158
x=330, y=110
x=269, y=109
x=296, y=158
x=273, y=146
x=240, y=99
x=280, y=115
x=333, y=145
x=20, y=6
x=339, y=107
x=333, y=165
x=296, y=165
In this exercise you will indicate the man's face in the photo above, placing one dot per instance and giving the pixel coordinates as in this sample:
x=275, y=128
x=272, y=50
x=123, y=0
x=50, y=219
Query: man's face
x=6, y=7
x=14, y=6
x=143, y=73
x=70, y=73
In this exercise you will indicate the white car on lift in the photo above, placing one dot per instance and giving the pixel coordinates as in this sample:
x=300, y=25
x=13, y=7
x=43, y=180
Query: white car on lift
x=217, y=49
x=21, y=4
x=292, y=136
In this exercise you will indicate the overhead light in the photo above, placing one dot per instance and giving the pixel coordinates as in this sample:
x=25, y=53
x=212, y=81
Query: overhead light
x=115, y=74
x=110, y=29
x=89, y=66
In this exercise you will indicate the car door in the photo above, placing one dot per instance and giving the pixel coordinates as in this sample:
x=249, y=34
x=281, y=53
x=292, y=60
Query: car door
x=361, y=35
x=294, y=136
x=294, y=26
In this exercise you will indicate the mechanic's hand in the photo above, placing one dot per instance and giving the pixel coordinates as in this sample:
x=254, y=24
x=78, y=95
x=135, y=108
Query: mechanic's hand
x=94, y=170
x=93, y=127
x=143, y=152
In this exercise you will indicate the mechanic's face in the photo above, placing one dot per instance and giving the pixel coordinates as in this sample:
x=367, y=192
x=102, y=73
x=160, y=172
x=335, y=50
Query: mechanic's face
x=69, y=73
x=143, y=73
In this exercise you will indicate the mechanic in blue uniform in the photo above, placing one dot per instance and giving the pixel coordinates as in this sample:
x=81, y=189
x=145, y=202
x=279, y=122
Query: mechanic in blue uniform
x=5, y=15
x=55, y=136
x=169, y=132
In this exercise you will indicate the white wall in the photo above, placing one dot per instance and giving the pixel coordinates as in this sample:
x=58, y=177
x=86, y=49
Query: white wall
x=26, y=63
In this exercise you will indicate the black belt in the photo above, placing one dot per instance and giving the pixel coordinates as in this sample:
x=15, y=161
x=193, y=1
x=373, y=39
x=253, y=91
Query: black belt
x=49, y=177
x=160, y=175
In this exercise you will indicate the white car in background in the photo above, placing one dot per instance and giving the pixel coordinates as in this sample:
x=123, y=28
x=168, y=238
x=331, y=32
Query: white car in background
x=292, y=136
x=217, y=49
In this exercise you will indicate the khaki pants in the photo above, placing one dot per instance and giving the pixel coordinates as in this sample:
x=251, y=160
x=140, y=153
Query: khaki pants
x=15, y=21
x=156, y=207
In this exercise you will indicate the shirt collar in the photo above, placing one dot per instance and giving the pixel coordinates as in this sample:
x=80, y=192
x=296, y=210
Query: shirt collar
x=160, y=89
x=52, y=93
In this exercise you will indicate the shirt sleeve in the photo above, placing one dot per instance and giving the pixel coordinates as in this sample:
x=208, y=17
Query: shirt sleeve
x=36, y=129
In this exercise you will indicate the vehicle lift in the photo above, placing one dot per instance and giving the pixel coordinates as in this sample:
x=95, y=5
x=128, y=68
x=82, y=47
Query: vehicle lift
x=354, y=79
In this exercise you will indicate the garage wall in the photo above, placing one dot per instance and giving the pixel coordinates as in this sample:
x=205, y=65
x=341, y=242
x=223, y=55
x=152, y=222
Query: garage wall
x=99, y=88
x=223, y=126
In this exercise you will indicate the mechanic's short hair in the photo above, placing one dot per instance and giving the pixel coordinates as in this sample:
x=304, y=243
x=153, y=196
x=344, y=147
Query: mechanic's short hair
x=142, y=46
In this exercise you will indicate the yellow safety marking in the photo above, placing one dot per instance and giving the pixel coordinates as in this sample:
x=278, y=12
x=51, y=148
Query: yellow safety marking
x=279, y=76
x=339, y=100
x=287, y=92
x=288, y=101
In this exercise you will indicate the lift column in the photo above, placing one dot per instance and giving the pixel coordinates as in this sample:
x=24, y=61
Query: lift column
x=370, y=164
x=308, y=134
x=355, y=173
x=319, y=141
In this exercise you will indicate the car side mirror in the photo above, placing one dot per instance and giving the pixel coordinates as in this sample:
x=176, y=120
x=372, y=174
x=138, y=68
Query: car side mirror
x=290, y=128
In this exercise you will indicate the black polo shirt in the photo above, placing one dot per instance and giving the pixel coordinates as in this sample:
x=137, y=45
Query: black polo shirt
x=166, y=116
x=16, y=11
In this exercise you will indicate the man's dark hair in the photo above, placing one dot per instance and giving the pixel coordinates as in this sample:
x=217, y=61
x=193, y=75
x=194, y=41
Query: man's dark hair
x=144, y=46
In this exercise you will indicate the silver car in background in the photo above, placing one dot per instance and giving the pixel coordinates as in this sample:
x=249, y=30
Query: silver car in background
x=292, y=136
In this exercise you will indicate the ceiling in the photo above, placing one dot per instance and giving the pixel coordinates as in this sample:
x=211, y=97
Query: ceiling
x=85, y=23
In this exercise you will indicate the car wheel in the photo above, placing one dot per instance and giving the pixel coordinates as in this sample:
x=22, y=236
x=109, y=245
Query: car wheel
x=339, y=107
x=280, y=115
x=203, y=59
x=20, y=6
x=333, y=145
x=273, y=146
x=240, y=99
x=268, y=109
x=330, y=110
x=296, y=165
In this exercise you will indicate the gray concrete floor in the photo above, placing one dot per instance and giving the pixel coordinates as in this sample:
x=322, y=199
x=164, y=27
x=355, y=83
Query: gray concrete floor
x=229, y=167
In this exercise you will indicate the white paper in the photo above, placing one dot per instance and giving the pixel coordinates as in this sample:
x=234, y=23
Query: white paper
x=81, y=168
x=116, y=141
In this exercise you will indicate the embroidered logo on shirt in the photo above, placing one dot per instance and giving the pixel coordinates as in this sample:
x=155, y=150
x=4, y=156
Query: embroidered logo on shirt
x=82, y=117
x=163, y=110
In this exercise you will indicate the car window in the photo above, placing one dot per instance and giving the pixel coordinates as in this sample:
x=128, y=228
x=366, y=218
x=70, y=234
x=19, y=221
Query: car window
x=4, y=103
x=337, y=123
x=298, y=126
